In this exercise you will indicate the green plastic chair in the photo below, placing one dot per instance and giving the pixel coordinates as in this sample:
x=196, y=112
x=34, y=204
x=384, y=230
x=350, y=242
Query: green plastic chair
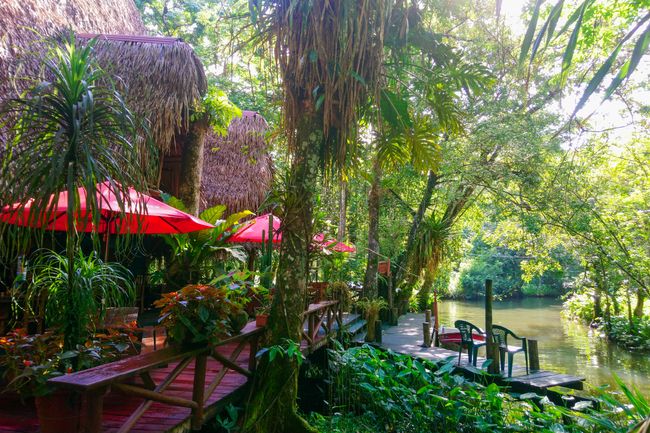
x=500, y=336
x=467, y=340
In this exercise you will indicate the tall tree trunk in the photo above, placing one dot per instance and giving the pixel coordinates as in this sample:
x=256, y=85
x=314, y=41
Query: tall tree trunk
x=598, y=309
x=372, y=264
x=192, y=165
x=271, y=407
x=417, y=220
x=343, y=209
x=640, y=299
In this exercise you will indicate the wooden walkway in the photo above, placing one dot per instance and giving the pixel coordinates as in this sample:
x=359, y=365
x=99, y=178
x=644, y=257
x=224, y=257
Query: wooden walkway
x=407, y=338
x=321, y=324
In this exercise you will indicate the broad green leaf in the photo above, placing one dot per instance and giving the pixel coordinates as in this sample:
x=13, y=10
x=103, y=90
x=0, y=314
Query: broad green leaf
x=571, y=46
x=556, y=12
x=394, y=110
x=530, y=32
x=629, y=66
x=213, y=214
x=598, y=78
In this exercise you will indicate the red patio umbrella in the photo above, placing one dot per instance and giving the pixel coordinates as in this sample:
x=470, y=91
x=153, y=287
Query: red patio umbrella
x=333, y=245
x=142, y=214
x=252, y=231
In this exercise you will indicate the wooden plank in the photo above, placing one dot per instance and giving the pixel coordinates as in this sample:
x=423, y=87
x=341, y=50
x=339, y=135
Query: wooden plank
x=155, y=396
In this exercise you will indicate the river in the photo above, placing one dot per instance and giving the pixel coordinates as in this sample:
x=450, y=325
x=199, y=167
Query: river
x=564, y=345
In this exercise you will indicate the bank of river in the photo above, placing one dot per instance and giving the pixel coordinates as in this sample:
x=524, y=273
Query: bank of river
x=565, y=346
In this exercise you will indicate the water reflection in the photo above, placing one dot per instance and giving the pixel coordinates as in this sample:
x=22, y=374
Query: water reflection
x=565, y=346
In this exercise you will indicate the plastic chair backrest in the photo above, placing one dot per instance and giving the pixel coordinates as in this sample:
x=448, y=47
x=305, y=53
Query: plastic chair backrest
x=500, y=335
x=465, y=329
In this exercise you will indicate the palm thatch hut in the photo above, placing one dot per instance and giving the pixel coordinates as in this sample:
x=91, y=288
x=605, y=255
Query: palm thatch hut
x=162, y=78
x=237, y=168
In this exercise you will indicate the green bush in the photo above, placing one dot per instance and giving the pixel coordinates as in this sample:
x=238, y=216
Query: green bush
x=579, y=306
x=636, y=336
x=376, y=391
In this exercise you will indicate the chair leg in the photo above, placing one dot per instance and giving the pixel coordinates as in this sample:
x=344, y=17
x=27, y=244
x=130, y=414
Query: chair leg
x=460, y=352
x=502, y=358
x=509, y=365
x=526, y=355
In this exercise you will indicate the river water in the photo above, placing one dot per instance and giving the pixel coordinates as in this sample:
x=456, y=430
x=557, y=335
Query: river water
x=564, y=345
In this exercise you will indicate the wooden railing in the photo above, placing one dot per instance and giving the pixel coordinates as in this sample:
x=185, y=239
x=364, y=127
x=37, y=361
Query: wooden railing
x=96, y=382
x=320, y=319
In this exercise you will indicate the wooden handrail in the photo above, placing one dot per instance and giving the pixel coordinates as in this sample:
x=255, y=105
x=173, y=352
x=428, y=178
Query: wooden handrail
x=96, y=382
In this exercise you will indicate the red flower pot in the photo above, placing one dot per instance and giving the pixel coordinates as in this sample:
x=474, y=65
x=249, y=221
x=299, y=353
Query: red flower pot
x=261, y=320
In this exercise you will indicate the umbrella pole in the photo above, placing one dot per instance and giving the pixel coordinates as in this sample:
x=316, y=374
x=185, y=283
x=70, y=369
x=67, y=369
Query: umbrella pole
x=106, y=247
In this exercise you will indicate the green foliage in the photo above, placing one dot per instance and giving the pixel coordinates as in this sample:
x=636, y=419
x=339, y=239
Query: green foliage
x=376, y=391
x=83, y=290
x=580, y=306
x=634, y=334
x=198, y=257
x=27, y=362
x=632, y=17
x=83, y=133
x=219, y=109
x=196, y=314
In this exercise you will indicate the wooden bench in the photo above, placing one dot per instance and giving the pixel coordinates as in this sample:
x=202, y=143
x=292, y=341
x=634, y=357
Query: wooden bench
x=96, y=382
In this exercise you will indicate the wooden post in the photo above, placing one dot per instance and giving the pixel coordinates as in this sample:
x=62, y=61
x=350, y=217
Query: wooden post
x=198, y=390
x=252, y=358
x=378, y=331
x=491, y=348
x=94, y=410
x=426, y=330
x=533, y=355
x=370, y=338
x=427, y=316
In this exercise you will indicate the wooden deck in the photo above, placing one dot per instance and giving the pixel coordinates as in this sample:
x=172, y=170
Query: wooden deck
x=407, y=338
x=16, y=417
x=320, y=326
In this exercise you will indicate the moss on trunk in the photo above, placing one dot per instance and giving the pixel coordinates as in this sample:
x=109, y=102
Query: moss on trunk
x=192, y=165
x=272, y=403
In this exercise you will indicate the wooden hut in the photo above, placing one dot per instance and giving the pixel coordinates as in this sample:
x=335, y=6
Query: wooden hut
x=237, y=168
x=161, y=78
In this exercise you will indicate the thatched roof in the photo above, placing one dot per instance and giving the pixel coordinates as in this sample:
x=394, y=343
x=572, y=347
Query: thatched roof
x=25, y=23
x=237, y=169
x=162, y=77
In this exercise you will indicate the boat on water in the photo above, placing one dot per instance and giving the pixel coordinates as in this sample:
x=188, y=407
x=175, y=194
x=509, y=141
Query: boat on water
x=451, y=336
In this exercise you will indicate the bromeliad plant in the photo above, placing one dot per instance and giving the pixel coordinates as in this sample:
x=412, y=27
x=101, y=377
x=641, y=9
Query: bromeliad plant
x=196, y=314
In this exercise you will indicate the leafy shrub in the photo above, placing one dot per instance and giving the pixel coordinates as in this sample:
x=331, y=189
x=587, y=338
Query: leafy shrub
x=579, y=306
x=375, y=391
x=635, y=337
x=196, y=314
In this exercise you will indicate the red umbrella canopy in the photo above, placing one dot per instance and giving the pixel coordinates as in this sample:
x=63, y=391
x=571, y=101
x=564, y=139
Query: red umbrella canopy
x=333, y=245
x=251, y=231
x=142, y=214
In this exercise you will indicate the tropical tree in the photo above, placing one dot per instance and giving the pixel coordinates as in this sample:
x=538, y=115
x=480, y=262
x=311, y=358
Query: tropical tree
x=330, y=56
x=70, y=130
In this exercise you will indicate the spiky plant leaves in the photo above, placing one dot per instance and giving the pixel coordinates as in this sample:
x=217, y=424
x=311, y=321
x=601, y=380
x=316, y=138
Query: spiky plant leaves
x=70, y=130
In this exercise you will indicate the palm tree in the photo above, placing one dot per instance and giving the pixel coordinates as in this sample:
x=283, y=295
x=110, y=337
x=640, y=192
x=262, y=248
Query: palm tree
x=70, y=130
